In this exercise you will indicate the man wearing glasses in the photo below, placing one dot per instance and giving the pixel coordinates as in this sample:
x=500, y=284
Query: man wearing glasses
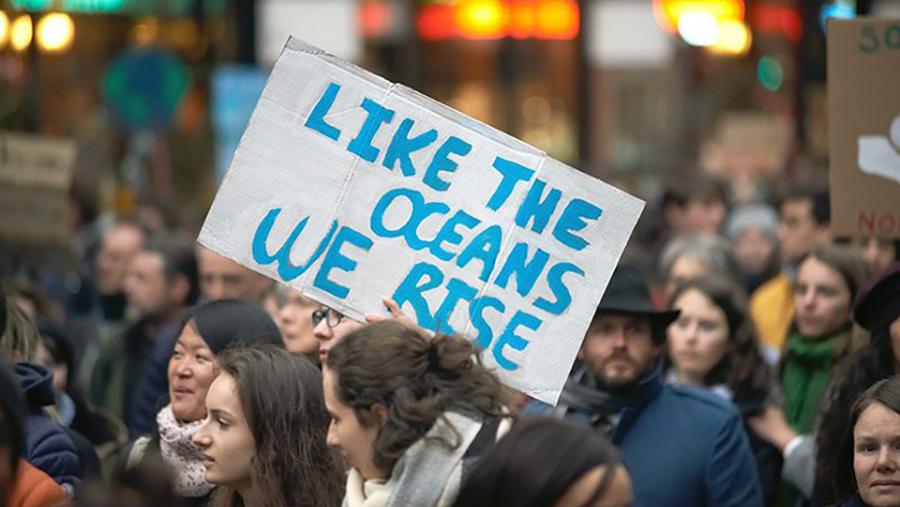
x=330, y=325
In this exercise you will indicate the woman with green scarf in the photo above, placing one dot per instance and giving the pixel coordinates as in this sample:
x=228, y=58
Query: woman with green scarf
x=827, y=279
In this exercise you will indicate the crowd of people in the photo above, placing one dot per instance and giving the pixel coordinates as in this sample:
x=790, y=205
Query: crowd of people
x=740, y=356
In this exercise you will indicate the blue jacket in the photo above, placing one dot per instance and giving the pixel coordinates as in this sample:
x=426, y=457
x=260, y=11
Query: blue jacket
x=47, y=445
x=683, y=447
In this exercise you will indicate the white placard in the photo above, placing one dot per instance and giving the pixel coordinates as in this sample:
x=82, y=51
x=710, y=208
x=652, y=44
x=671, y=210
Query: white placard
x=353, y=189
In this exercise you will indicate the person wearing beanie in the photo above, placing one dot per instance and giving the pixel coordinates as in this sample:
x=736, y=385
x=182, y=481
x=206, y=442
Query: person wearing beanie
x=753, y=233
x=21, y=484
x=207, y=330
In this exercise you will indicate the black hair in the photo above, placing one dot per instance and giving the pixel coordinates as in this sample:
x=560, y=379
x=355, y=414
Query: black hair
x=819, y=202
x=58, y=344
x=536, y=463
x=231, y=321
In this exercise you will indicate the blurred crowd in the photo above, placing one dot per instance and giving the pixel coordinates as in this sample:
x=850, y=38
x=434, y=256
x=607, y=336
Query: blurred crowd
x=741, y=356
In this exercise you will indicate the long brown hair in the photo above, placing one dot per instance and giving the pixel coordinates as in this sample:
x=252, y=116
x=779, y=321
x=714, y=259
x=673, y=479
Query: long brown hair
x=281, y=397
x=415, y=377
x=742, y=369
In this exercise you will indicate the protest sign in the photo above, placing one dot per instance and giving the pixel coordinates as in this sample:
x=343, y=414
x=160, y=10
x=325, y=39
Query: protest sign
x=35, y=176
x=864, y=130
x=353, y=189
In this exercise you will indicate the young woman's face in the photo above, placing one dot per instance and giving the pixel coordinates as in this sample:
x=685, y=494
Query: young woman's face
x=225, y=437
x=347, y=434
x=698, y=340
x=821, y=299
x=618, y=492
x=876, y=456
x=192, y=369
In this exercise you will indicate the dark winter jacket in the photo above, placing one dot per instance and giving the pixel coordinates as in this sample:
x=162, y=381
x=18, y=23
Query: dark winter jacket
x=47, y=445
x=682, y=446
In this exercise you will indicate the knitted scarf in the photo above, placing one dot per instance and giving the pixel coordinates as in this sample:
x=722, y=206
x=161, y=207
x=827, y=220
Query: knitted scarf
x=181, y=455
x=427, y=475
x=804, y=378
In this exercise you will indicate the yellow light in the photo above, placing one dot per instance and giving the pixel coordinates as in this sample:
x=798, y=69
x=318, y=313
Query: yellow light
x=734, y=39
x=669, y=12
x=4, y=28
x=483, y=19
x=55, y=32
x=558, y=19
x=20, y=33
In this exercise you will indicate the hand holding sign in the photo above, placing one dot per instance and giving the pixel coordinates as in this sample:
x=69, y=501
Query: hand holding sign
x=353, y=190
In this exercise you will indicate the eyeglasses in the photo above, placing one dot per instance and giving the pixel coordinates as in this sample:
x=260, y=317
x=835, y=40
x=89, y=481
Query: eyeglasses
x=331, y=317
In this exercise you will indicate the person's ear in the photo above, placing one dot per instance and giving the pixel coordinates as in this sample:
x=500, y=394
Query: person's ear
x=380, y=412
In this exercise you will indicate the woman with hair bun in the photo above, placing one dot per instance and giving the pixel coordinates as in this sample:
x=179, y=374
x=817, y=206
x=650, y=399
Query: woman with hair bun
x=410, y=413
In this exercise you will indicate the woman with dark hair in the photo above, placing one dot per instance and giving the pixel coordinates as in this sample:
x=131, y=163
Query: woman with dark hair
x=263, y=449
x=828, y=278
x=207, y=330
x=713, y=345
x=814, y=373
x=877, y=310
x=410, y=413
x=868, y=470
x=545, y=462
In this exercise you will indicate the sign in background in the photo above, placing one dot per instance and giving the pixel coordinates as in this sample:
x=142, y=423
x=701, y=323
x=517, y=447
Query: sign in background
x=353, y=189
x=864, y=118
x=35, y=176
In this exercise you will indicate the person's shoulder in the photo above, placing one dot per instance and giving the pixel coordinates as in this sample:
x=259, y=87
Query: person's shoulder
x=701, y=400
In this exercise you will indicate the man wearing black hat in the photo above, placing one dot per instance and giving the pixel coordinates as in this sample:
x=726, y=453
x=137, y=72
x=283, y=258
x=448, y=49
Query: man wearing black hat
x=682, y=446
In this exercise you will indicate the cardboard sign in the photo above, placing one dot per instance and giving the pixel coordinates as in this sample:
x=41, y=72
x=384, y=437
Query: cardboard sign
x=352, y=189
x=35, y=176
x=864, y=117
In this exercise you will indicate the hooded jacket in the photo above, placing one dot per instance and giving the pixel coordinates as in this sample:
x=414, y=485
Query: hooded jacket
x=47, y=446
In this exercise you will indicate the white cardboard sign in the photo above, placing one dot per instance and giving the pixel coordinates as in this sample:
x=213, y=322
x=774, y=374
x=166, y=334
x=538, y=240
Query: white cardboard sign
x=352, y=189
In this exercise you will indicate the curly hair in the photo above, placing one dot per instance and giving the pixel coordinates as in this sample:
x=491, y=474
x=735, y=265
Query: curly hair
x=743, y=368
x=293, y=464
x=415, y=377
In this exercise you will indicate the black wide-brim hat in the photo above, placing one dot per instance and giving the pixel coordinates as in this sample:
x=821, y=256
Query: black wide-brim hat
x=627, y=293
x=878, y=303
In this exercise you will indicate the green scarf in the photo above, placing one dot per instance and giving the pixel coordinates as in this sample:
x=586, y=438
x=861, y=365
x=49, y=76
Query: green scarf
x=807, y=372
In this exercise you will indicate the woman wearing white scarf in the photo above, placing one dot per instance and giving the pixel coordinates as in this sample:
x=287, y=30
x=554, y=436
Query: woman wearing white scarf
x=207, y=330
x=410, y=413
